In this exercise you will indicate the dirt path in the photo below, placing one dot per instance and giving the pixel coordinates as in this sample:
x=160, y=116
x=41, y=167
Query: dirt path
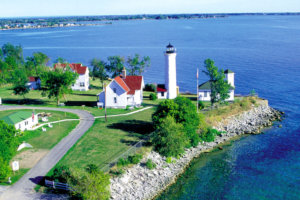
x=29, y=158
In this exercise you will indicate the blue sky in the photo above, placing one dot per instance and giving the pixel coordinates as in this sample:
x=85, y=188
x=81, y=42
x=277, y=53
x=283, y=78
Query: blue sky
x=18, y=8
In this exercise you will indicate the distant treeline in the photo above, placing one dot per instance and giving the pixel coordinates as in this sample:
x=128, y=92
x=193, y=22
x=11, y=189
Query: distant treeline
x=55, y=20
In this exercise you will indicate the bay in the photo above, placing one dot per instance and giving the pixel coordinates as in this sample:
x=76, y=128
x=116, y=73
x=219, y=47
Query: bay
x=264, y=53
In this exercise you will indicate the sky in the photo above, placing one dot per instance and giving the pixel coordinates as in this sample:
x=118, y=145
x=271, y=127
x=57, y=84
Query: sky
x=27, y=8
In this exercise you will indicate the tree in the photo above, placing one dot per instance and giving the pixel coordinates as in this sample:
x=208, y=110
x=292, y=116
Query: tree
x=20, y=81
x=219, y=86
x=169, y=138
x=16, y=52
x=115, y=65
x=99, y=70
x=37, y=61
x=137, y=66
x=57, y=83
x=60, y=60
x=184, y=112
x=8, y=147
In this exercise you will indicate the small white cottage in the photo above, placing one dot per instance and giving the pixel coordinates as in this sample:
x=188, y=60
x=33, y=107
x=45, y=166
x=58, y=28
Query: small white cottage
x=83, y=81
x=22, y=120
x=34, y=83
x=123, y=91
x=205, y=89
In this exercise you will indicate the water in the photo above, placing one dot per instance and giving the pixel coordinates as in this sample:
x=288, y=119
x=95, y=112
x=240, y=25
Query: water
x=263, y=51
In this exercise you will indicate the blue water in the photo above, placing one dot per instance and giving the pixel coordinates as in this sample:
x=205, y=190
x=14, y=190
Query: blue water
x=263, y=51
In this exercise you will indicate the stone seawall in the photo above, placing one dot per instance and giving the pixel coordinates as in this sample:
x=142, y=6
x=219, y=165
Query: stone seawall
x=139, y=182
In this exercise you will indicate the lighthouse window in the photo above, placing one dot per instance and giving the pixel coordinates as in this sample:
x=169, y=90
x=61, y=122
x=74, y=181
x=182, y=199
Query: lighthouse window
x=162, y=94
x=115, y=90
x=115, y=99
x=205, y=94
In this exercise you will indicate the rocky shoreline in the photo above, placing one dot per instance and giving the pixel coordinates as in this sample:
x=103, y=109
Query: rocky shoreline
x=139, y=182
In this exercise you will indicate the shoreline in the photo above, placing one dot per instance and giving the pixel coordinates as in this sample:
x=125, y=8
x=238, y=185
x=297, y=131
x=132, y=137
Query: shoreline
x=139, y=182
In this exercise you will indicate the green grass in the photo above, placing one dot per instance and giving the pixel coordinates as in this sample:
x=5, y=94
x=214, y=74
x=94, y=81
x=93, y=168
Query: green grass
x=15, y=176
x=47, y=140
x=106, y=141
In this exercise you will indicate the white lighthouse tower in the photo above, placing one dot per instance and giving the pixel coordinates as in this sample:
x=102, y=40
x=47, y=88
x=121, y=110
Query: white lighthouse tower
x=170, y=72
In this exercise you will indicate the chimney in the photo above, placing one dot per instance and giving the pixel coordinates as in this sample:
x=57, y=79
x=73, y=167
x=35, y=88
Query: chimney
x=124, y=72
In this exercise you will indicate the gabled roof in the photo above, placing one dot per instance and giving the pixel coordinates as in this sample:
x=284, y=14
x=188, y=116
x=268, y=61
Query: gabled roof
x=134, y=83
x=130, y=84
x=205, y=86
x=121, y=82
x=161, y=88
x=16, y=117
x=76, y=67
x=33, y=78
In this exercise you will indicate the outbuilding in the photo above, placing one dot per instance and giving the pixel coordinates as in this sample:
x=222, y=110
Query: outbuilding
x=22, y=120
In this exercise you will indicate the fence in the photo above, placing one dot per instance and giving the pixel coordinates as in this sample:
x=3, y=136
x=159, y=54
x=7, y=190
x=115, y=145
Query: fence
x=132, y=150
x=57, y=185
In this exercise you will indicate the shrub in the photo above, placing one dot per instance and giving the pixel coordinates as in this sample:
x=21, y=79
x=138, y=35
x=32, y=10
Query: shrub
x=201, y=105
x=150, y=87
x=209, y=135
x=62, y=174
x=150, y=165
x=169, y=159
x=116, y=172
x=92, y=168
x=153, y=96
x=135, y=159
x=122, y=162
x=169, y=139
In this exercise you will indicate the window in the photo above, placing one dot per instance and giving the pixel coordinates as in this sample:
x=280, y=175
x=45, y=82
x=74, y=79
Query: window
x=115, y=99
x=162, y=94
x=205, y=94
x=115, y=90
x=81, y=84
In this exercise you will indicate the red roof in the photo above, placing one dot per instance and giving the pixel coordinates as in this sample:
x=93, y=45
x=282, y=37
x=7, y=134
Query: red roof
x=33, y=78
x=121, y=82
x=130, y=84
x=161, y=88
x=76, y=67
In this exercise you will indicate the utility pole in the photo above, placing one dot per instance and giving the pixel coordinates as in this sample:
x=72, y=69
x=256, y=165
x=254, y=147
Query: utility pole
x=105, y=101
x=197, y=92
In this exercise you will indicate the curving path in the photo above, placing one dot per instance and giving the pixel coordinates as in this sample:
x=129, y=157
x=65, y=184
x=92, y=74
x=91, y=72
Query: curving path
x=23, y=189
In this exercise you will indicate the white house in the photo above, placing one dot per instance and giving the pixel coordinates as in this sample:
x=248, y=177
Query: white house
x=83, y=81
x=34, y=83
x=22, y=120
x=205, y=88
x=123, y=91
x=169, y=90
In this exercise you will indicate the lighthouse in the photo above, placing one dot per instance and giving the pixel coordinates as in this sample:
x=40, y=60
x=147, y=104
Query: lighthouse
x=170, y=72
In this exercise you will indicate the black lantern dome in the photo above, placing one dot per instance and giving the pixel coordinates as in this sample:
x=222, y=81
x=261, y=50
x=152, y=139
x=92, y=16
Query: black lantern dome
x=170, y=49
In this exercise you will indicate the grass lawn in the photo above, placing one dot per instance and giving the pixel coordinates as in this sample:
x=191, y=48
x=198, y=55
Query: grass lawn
x=106, y=141
x=15, y=176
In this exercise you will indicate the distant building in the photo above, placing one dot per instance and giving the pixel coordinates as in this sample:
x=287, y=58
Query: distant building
x=204, y=89
x=34, y=83
x=169, y=90
x=83, y=81
x=123, y=91
x=22, y=120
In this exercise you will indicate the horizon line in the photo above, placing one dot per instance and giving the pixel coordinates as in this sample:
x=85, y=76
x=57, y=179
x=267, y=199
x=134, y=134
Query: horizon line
x=225, y=13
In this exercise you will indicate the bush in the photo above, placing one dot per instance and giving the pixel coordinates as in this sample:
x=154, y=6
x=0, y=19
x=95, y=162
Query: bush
x=150, y=87
x=201, y=105
x=153, y=96
x=169, y=159
x=62, y=174
x=169, y=139
x=116, y=172
x=209, y=135
x=135, y=159
x=122, y=162
x=92, y=168
x=150, y=165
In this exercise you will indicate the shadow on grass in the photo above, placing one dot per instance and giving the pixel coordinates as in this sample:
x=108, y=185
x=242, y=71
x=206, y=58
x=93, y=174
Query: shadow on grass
x=24, y=101
x=135, y=128
x=80, y=103
x=90, y=95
